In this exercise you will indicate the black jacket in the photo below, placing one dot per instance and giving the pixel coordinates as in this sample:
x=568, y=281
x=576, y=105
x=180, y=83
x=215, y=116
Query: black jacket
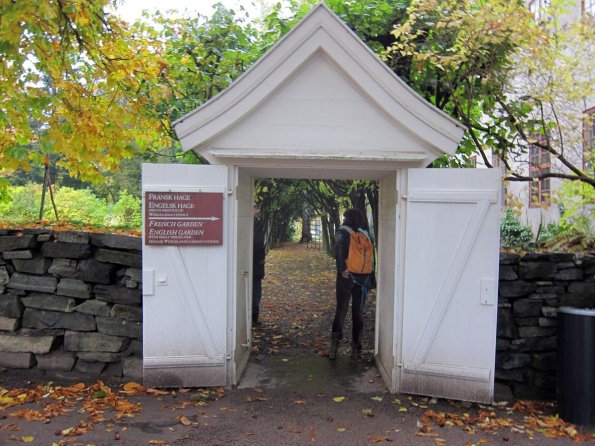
x=341, y=249
x=258, y=251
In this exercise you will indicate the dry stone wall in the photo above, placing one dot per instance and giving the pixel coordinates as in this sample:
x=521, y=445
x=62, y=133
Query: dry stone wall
x=532, y=288
x=71, y=301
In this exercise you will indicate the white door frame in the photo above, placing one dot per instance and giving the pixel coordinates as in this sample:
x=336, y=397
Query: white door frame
x=240, y=264
x=388, y=288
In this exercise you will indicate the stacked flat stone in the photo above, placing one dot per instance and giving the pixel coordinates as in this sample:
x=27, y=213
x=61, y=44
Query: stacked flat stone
x=532, y=288
x=71, y=301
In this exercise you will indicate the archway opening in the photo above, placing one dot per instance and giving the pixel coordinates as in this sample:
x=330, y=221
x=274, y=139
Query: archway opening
x=291, y=339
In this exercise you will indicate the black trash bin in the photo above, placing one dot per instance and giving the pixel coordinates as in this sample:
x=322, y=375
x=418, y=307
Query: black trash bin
x=576, y=365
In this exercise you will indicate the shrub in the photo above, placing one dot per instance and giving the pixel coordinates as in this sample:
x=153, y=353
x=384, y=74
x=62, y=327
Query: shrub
x=21, y=204
x=577, y=201
x=513, y=234
x=126, y=212
x=547, y=233
x=75, y=206
x=79, y=206
x=575, y=231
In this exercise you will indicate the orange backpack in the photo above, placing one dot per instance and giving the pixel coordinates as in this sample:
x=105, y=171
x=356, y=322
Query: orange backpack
x=360, y=259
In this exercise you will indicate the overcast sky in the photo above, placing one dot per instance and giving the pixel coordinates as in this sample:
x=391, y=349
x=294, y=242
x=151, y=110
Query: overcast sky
x=131, y=10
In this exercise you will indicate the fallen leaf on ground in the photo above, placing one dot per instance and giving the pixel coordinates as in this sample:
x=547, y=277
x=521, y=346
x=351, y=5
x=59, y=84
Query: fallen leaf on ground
x=186, y=421
x=132, y=388
x=29, y=415
x=6, y=402
x=293, y=428
x=378, y=438
x=157, y=392
x=10, y=427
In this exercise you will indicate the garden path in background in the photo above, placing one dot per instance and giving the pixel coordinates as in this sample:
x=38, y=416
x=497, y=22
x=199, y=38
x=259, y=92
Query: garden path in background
x=298, y=305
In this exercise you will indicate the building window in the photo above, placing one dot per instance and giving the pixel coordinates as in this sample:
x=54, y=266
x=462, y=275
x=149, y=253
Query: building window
x=589, y=141
x=539, y=164
x=499, y=165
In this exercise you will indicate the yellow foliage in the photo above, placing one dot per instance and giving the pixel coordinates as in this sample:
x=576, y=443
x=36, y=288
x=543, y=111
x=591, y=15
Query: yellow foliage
x=76, y=82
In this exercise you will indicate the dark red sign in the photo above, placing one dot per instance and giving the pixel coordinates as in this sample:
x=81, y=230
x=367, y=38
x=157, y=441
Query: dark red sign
x=184, y=218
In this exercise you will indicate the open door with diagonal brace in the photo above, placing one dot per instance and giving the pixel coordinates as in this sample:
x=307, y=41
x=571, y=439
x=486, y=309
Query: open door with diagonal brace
x=450, y=287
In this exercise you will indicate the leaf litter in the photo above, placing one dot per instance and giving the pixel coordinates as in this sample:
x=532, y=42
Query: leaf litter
x=298, y=305
x=536, y=417
x=93, y=400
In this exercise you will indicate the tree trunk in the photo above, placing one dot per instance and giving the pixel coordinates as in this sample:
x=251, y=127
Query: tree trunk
x=306, y=227
x=372, y=196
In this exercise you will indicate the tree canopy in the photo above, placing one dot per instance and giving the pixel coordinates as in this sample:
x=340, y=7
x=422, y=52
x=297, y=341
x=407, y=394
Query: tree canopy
x=85, y=90
x=77, y=84
x=511, y=80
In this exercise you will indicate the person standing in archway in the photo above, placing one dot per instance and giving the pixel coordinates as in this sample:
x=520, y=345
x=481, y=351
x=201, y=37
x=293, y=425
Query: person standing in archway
x=258, y=257
x=354, y=255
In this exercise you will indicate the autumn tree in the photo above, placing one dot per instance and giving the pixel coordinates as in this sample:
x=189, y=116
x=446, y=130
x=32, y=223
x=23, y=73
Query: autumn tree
x=75, y=85
x=511, y=80
x=204, y=56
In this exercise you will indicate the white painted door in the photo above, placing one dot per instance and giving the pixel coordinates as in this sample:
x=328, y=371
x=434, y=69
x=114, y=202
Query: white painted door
x=450, y=283
x=185, y=287
x=243, y=208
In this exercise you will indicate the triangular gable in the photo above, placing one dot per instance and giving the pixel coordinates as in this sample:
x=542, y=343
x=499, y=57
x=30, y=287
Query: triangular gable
x=320, y=92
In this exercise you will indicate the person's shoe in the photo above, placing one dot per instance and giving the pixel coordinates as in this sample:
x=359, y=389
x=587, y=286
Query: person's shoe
x=332, y=353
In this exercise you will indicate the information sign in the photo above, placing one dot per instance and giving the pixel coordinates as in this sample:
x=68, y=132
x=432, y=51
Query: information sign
x=184, y=218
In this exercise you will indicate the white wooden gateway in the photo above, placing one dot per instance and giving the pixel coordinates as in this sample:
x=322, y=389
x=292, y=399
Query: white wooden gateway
x=319, y=105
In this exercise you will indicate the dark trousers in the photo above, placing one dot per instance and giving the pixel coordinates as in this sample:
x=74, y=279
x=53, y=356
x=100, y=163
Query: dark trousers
x=256, y=295
x=348, y=290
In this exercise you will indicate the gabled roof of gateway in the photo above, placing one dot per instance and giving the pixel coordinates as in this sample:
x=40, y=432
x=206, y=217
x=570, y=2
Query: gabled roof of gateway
x=319, y=93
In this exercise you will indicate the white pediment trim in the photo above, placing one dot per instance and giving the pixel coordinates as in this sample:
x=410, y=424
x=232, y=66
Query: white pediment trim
x=321, y=32
x=363, y=156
